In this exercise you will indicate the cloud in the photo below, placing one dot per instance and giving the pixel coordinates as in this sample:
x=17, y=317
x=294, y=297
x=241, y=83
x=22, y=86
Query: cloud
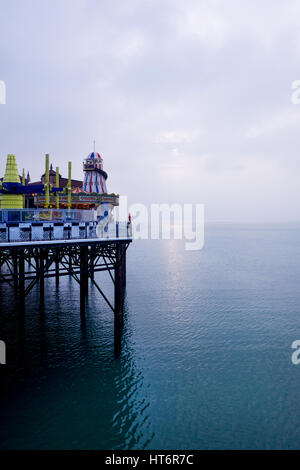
x=203, y=21
x=176, y=137
x=188, y=101
x=284, y=119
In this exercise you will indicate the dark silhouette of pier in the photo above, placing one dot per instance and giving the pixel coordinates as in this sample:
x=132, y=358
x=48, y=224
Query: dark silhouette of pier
x=23, y=265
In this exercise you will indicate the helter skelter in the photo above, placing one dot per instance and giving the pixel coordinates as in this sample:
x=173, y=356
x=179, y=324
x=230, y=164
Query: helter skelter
x=94, y=175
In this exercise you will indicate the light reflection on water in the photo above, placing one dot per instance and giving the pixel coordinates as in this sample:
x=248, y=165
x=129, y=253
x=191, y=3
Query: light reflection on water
x=205, y=360
x=64, y=388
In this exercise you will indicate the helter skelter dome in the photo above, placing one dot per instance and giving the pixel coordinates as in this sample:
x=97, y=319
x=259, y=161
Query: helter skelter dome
x=94, y=175
x=95, y=155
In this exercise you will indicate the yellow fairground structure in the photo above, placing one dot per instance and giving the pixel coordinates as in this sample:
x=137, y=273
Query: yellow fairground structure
x=23, y=183
x=47, y=183
x=69, y=187
x=57, y=185
x=11, y=201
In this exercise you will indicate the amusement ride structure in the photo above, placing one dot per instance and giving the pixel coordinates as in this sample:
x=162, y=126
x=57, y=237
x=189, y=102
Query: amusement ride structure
x=94, y=175
x=53, y=191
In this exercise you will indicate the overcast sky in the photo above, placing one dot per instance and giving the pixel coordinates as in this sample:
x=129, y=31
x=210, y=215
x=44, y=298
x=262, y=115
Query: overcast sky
x=188, y=100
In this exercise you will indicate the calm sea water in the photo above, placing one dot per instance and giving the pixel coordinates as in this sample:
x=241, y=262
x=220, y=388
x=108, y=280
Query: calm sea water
x=206, y=360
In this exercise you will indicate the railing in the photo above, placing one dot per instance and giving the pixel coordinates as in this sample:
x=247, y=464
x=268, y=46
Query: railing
x=46, y=215
x=39, y=231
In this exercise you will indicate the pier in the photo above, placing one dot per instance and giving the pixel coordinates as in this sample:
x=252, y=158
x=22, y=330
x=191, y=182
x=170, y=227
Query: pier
x=31, y=252
x=62, y=227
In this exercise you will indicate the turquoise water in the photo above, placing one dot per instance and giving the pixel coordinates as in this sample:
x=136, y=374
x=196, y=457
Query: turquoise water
x=206, y=360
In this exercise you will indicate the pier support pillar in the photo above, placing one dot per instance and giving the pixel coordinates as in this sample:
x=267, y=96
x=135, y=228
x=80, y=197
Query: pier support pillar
x=92, y=259
x=15, y=269
x=21, y=279
x=70, y=259
x=119, y=300
x=42, y=275
x=124, y=270
x=37, y=264
x=83, y=277
x=57, y=268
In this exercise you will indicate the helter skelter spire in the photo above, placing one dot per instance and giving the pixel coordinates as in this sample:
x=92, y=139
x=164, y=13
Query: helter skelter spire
x=94, y=175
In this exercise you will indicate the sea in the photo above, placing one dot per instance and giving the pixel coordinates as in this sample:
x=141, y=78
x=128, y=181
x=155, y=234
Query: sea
x=206, y=358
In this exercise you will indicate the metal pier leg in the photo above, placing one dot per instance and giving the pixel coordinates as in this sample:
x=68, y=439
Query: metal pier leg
x=70, y=258
x=86, y=270
x=92, y=258
x=57, y=268
x=42, y=275
x=83, y=277
x=15, y=265
x=37, y=260
x=124, y=270
x=118, y=314
x=22, y=280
